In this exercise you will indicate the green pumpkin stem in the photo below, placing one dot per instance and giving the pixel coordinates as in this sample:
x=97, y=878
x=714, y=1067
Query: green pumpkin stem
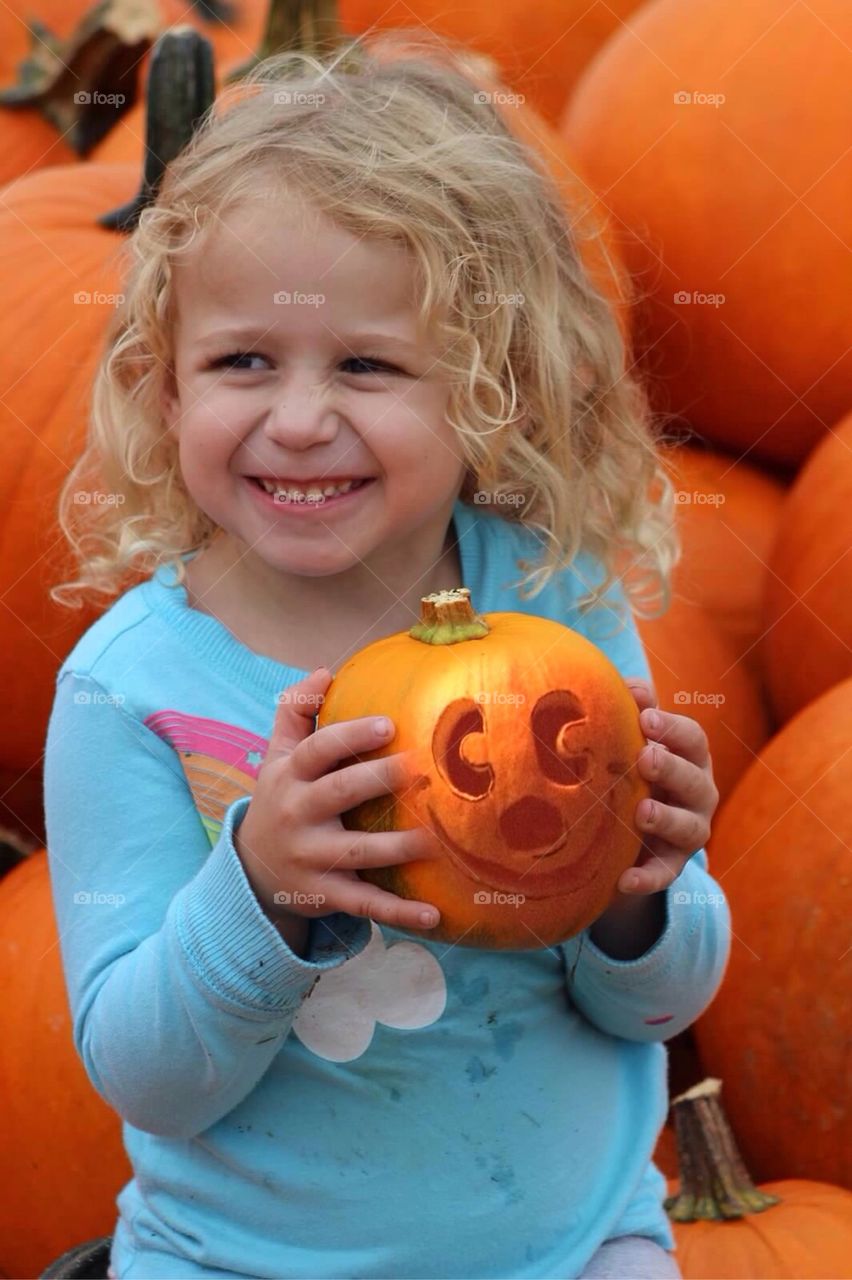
x=181, y=88
x=311, y=26
x=714, y=1181
x=446, y=617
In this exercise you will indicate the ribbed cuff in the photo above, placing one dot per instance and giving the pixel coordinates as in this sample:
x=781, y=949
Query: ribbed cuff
x=685, y=906
x=234, y=949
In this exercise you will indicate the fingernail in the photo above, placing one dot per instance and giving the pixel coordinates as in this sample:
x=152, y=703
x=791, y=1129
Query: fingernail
x=651, y=720
x=383, y=726
x=428, y=917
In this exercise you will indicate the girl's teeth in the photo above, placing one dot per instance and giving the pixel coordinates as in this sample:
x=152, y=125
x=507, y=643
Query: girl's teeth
x=309, y=495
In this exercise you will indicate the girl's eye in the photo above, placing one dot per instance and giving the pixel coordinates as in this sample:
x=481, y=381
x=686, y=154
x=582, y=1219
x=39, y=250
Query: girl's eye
x=230, y=361
x=369, y=360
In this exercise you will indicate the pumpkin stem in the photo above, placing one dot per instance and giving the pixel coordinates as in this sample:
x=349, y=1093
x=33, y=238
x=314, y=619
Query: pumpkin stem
x=446, y=617
x=714, y=1182
x=311, y=26
x=181, y=88
x=83, y=85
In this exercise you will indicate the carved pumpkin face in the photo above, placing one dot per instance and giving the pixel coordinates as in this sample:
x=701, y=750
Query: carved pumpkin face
x=522, y=767
x=524, y=837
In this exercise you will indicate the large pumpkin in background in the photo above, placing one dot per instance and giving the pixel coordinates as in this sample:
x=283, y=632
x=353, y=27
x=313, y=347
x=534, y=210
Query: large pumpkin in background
x=778, y=1029
x=728, y=514
x=748, y=199
x=697, y=672
x=807, y=621
x=62, y=1160
x=524, y=740
x=61, y=273
x=540, y=51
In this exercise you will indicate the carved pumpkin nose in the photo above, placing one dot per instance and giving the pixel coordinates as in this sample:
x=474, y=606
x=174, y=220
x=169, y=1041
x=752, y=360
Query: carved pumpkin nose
x=531, y=823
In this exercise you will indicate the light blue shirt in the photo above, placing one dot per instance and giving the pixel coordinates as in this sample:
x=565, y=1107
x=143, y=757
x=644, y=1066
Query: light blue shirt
x=429, y=1110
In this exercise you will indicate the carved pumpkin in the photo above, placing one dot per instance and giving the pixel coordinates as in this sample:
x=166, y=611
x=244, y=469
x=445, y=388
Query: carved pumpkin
x=523, y=740
x=726, y=1228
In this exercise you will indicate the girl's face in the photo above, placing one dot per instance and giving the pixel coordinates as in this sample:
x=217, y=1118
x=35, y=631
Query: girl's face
x=297, y=358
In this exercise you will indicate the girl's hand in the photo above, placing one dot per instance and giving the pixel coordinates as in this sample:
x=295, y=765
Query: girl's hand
x=683, y=796
x=297, y=855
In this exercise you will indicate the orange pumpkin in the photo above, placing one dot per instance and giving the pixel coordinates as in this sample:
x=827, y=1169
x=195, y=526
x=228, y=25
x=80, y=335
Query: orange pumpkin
x=737, y=211
x=523, y=768
x=778, y=1029
x=728, y=514
x=62, y=1160
x=68, y=292
x=807, y=620
x=726, y=1228
x=698, y=672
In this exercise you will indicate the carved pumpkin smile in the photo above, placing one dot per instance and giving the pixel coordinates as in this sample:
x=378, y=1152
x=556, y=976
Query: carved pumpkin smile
x=531, y=882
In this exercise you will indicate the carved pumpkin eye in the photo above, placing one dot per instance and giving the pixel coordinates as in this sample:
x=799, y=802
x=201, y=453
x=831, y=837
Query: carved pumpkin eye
x=553, y=717
x=454, y=746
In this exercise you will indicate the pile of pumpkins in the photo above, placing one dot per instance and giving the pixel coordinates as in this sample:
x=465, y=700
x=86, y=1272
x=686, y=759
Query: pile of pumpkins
x=707, y=140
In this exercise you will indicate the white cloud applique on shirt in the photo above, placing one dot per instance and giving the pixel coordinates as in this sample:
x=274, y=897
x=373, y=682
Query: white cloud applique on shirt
x=401, y=986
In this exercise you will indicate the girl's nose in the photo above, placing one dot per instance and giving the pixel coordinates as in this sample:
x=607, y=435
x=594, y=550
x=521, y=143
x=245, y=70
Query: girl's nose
x=300, y=412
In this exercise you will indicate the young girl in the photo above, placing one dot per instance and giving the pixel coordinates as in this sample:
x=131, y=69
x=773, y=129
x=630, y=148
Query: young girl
x=359, y=361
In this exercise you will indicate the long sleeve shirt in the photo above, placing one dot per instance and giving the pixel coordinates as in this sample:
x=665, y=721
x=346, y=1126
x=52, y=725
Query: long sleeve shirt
x=388, y=1105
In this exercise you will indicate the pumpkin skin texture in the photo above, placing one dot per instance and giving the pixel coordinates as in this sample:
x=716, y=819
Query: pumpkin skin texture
x=807, y=623
x=521, y=740
x=778, y=1029
x=727, y=528
x=62, y=1160
x=806, y=1237
x=771, y=366
x=541, y=51
x=48, y=221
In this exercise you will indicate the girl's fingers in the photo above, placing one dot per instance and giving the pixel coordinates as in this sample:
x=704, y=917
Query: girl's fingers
x=684, y=829
x=643, y=692
x=386, y=908
x=654, y=875
x=690, y=785
x=680, y=734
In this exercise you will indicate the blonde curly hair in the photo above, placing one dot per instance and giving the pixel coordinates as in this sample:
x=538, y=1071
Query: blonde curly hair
x=404, y=148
